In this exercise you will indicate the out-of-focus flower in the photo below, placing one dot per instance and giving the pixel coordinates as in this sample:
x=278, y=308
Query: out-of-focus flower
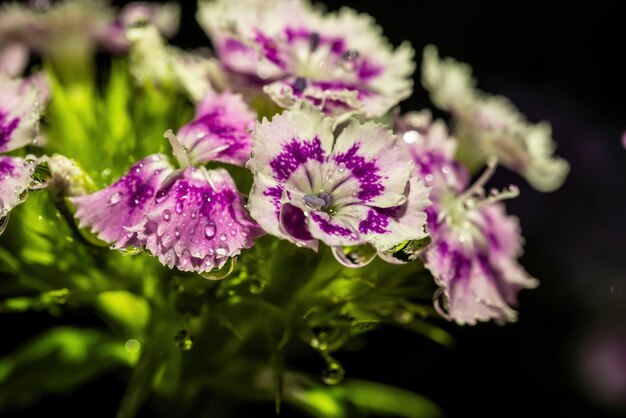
x=220, y=131
x=154, y=62
x=474, y=244
x=66, y=27
x=13, y=58
x=20, y=111
x=491, y=125
x=165, y=18
x=340, y=62
x=347, y=190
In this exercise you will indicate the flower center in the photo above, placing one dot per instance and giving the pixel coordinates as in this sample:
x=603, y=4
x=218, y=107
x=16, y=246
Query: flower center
x=321, y=201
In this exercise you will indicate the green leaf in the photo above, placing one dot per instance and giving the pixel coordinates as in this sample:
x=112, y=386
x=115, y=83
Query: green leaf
x=58, y=361
x=387, y=400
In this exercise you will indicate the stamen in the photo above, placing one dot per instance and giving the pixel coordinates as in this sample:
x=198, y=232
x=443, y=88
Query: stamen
x=179, y=150
x=477, y=189
x=319, y=202
x=497, y=196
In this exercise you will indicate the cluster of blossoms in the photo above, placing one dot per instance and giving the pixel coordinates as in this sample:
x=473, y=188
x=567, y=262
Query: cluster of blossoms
x=325, y=169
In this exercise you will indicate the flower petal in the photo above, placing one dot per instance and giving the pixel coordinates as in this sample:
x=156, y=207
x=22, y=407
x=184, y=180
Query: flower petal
x=370, y=153
x=15, y=175
x=197, y=221
x=220, y=130
x=124, y=203
x=289, y=141
x=19, y=113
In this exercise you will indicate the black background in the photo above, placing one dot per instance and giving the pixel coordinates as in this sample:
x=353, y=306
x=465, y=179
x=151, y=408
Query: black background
x=556, y=62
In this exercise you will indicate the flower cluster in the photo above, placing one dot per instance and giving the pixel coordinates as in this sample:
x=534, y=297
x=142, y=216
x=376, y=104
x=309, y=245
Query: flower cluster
x=325, y=167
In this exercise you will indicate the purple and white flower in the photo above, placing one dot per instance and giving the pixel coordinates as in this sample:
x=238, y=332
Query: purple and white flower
x=191, y=218
x=67, y=27
x=474, y=244
x=491, y=125
x=352, y=189
x=339, y=62
x=19, y=126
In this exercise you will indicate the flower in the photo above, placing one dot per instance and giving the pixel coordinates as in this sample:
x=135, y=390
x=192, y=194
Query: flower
x=165, y=17
x=19, y=126
x=191, y=218
x=491, y=125
x=474, y=244
x=352, y=189
x=60, y=27
x=340, y=62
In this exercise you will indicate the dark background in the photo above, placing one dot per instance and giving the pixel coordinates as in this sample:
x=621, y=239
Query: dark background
x=566, y=357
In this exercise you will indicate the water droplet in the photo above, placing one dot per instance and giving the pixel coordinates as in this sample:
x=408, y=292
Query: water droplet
x=183, y=340
x=341, y=167
x=132, y=346
x=356, y=256
x=334, y=372
x=209, y=231
x=257, y=286
x=177, y=232
x=233, y=232
x=160, y=196
x=223, y=238
x=115, y=198
x=403, y=316
x=166, y=215
x=222, y=250
x=193, y=214
x=179, y=207
x=130, y=250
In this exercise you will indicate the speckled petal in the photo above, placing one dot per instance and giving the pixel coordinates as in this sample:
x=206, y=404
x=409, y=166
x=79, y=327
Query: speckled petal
x=124, y=203
x=15, y=174
x=197, y=221
x=220, y=130
x=291, y=140
x=386, y=228
x=371, y=154
x=20, y=111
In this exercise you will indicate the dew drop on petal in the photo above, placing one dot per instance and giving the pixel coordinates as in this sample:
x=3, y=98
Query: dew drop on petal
x=115, y=198
x=166, y=215
x=222, y=238
x=179, y=207
x=209, y=231
x=222, y=250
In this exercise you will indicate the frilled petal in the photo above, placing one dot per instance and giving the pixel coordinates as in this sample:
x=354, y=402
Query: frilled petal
x=370, y=154
x=351, y=190
x=15, y=175
x=386, y=228
x=197, y=221
x=220, y=131
x=20, y=111
x=450, y=83
x=124, y=203
x=291, y=140
x=475, y=262
x=339, y=62
x=491, y=125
